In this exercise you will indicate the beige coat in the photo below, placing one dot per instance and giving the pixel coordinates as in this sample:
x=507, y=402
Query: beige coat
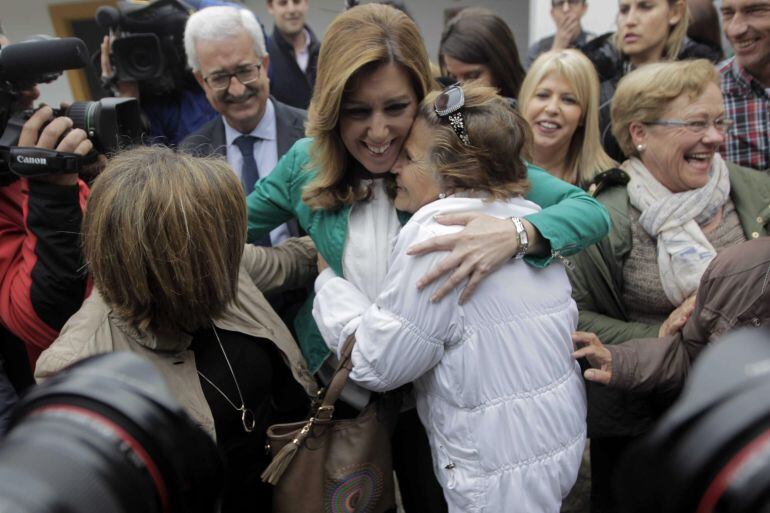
x=96, y=329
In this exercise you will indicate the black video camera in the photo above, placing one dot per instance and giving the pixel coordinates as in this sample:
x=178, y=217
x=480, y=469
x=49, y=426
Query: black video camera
x=106, y=435
x=148, y=44
x=111, y=123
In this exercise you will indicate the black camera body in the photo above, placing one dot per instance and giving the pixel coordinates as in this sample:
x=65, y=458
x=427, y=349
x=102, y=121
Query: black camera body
x=148, y=46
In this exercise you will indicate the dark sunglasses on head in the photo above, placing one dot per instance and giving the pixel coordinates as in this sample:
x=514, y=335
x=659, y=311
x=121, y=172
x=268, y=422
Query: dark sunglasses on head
x=449, y=104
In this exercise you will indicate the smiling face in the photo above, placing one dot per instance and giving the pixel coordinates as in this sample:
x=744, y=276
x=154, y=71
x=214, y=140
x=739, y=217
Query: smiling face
x=376, y=115
x=747, y=27
x=643, y=28
x=289, y=15
x=241, y=105
x=416, y=184
x=465, y=72
x=554, y=114
x=678, y=158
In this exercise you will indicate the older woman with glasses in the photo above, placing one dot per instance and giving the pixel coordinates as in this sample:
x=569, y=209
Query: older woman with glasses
x=682, y=205
x=503, y=405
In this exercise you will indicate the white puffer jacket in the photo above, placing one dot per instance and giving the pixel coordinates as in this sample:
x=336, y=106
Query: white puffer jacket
x=501, y=399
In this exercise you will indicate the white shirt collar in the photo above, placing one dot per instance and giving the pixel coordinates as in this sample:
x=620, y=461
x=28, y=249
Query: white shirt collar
x=307, y=40
x=265, y=129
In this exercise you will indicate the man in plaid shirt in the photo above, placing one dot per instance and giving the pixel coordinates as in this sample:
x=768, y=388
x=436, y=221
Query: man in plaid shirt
x=746, y=82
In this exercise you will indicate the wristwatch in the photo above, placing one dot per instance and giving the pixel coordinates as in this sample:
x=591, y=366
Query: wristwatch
x=521, y=235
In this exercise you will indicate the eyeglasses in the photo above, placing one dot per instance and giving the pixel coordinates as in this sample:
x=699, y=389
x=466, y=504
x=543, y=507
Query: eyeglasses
x=560, y=3
x=245, y=75
x=449, y=105
x=721, y=125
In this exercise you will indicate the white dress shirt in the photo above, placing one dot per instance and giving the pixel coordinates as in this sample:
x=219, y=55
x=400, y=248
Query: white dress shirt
x=265, y=155
x=303, y=56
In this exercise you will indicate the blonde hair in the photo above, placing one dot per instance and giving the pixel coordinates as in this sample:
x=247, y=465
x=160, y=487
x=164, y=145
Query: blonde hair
x=499, y=136
x=676, y=34
x=644, y=95
x=585, y=156
x=356, y=42
x=164, y=235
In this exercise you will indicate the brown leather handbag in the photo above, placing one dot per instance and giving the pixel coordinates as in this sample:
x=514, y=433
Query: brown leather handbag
x=322, y=465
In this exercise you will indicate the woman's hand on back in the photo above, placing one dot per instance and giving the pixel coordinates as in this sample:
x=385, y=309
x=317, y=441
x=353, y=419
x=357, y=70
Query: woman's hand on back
x=678, y=318
x=484, y=245
x=588, y=346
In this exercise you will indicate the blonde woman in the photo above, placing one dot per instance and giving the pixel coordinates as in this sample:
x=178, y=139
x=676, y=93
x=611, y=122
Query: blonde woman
x=373, y=71
x=164, y=238
x=647, y=31
x=560, y=100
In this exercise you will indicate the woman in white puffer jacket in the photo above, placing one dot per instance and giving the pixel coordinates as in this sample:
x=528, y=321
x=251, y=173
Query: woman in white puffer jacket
x=500, y=397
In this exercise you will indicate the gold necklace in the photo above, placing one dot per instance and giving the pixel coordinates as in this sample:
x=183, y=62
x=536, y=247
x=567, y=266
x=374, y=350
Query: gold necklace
x=247, y=416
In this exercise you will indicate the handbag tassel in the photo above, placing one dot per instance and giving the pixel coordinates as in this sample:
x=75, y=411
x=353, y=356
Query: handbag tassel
x=280, y=463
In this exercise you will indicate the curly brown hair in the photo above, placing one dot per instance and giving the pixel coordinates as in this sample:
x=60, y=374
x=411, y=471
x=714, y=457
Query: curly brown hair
x=500, y=139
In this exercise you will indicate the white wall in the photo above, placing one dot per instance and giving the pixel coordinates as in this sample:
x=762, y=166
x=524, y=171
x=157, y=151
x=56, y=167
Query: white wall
x=599, y=19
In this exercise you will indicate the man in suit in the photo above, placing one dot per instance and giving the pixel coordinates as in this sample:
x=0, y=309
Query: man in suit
x=226, y=51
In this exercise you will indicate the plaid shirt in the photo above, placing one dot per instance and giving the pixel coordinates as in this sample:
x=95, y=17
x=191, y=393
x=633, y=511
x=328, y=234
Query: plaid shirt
x=748, y=104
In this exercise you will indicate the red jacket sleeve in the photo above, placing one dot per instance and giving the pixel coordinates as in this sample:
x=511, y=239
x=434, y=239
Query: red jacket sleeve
x=43, y=276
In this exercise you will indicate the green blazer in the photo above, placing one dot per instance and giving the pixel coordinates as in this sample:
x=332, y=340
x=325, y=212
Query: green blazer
x=571, y=220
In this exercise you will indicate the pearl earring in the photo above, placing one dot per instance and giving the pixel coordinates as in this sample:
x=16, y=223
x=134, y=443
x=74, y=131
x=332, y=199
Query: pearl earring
x=640, y=147
x=441, y=195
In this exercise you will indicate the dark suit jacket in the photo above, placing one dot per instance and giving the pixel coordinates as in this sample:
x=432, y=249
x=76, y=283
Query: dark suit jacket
x=290, y=126
x=288, y=82
x=210, y=138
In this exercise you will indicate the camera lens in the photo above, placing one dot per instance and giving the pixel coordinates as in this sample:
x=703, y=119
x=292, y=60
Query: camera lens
x=105, y=435
x=141, y=61
x=111, y=123
x=139, y=56
x=711, y=452
x=82, y=116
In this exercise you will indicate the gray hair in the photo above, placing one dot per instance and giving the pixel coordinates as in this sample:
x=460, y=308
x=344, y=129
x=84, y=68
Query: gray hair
x=219, y=23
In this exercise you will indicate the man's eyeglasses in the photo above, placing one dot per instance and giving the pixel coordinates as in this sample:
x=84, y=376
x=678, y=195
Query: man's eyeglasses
x=245, y=75
x=722, y=125
x=560, y=3
x=449, y=104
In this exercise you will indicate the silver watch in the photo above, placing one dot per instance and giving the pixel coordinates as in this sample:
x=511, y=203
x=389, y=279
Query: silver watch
x=521, y=235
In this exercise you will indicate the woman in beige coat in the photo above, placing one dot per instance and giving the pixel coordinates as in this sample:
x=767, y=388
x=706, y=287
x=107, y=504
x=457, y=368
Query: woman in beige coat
x=173, y=281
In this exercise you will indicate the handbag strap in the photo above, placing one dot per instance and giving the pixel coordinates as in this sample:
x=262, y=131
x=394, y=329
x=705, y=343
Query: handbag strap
x=338, y=381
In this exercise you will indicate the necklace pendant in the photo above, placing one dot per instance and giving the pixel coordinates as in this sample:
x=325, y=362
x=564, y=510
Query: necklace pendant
x=247, y=419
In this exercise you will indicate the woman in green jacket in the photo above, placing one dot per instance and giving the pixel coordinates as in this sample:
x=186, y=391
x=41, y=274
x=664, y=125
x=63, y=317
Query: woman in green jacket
x=682, y=205
x=373, y=71
x=365, y=101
